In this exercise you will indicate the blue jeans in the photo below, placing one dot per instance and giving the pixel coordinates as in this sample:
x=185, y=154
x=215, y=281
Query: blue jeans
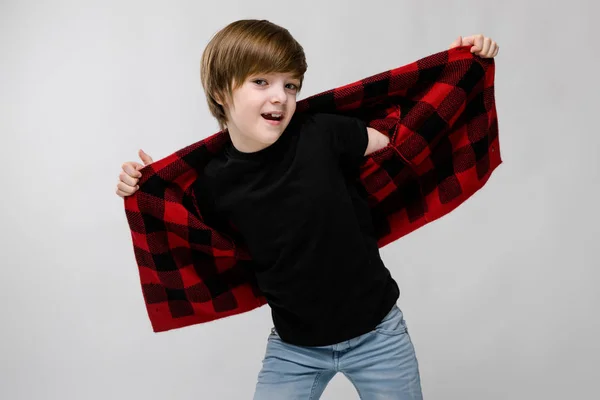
x=381, y=364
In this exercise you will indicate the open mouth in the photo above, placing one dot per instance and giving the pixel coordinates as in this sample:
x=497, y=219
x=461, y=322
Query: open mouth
x=273, y=116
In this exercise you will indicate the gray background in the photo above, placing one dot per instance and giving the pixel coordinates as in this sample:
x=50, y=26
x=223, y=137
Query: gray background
x=500, y=296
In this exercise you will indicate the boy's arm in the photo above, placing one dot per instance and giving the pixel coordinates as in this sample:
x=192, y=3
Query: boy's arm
x=377, y=141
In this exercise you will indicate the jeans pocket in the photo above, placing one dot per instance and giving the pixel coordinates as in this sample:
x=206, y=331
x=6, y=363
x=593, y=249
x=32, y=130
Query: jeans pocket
x=393, y=324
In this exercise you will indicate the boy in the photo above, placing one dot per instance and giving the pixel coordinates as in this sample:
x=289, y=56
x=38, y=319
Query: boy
x=288, y=184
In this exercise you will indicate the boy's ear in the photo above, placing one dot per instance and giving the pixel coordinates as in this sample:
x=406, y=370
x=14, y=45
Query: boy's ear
x=217, y=98
x=220, y=99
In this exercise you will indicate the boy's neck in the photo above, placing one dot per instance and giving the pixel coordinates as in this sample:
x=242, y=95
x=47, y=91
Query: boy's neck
x=241, y=144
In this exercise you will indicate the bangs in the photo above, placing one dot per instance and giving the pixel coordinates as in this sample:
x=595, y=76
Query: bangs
x=269, y=54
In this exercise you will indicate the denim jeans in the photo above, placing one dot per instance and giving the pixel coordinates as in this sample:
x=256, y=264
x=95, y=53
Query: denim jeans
x=381, y=364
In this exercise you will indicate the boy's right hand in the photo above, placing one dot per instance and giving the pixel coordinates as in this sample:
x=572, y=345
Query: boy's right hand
x=129, y=177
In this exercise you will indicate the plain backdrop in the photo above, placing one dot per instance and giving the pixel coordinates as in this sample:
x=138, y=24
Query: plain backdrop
x=500, y=296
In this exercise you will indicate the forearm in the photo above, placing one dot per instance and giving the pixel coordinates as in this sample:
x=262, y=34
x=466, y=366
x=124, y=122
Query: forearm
x=377, y=141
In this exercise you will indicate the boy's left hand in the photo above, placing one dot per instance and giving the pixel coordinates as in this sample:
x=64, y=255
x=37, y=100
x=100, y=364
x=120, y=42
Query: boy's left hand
x=483, y=46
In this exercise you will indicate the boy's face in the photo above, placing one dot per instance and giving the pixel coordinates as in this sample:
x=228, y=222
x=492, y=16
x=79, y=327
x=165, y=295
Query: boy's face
x=250, y=128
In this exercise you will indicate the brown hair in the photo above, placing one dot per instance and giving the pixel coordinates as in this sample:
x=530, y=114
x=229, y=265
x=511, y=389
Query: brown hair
x=244, y=48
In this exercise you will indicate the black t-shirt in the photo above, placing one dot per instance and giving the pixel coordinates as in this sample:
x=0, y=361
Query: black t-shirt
x=299, y=207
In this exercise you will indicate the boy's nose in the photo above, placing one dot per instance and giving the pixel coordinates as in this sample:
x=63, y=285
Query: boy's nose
x=278, y=96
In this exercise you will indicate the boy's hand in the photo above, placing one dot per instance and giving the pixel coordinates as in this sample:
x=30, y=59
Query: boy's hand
x=377, y=141
x=128, y=179
x=483, y=46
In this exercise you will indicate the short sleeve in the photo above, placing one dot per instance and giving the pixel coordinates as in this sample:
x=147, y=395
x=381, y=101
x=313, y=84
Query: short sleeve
x=347, y=136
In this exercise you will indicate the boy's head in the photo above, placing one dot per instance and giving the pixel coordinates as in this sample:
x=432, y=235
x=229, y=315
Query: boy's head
x=249, y=68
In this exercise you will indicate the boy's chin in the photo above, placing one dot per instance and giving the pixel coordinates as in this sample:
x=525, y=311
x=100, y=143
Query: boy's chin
x=269, y=139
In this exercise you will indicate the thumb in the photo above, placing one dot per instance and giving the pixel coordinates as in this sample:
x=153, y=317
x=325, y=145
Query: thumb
x=145, y=157
x=457, y=43
x=470, y=41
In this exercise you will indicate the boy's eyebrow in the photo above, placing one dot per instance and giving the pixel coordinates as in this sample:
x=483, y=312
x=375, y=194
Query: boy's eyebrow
x=259, y=74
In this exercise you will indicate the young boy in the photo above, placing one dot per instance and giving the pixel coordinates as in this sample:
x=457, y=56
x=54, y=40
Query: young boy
x=288, y=184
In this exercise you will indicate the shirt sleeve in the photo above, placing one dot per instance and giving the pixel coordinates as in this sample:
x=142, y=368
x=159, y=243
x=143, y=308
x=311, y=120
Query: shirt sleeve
x=347, y=137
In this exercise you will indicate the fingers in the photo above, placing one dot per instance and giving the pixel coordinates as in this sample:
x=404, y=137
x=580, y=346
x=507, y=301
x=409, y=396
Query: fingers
x=494, y=49
x=476, y=41
x=124, y=190
x=469, y=40
x=132, y=169
x=487, y=42
x=490, y=49
x=127, y=185
x=479, y=43
x=128, y=179
x=483, y=46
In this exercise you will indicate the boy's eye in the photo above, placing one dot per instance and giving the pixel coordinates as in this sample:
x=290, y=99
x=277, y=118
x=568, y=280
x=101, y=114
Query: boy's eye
x=262, y=82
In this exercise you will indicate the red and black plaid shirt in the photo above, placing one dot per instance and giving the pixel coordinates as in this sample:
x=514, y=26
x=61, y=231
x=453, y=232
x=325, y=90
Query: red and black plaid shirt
x=440, y=115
